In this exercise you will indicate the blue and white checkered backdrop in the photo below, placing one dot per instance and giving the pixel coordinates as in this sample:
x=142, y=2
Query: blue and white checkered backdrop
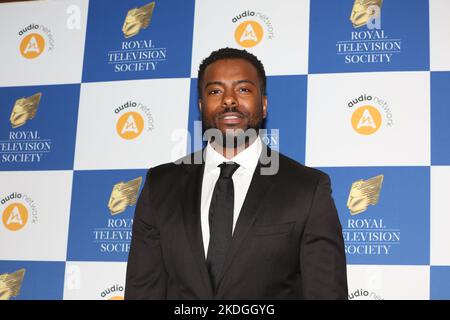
x=90, y=100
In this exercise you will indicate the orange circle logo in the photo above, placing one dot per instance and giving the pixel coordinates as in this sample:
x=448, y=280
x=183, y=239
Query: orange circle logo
x=248, y=34
x=130, y=125
x=366, y=120
x=32, y=46
x=15, y=216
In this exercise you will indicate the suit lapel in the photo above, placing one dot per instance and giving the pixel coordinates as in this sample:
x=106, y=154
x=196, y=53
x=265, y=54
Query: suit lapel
x=191, y=217
x=258, y=187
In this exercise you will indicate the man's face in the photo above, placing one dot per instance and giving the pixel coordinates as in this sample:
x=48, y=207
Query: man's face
x=231, y=96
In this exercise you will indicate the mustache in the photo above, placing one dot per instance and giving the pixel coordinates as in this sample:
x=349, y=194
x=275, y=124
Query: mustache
x=232, y=110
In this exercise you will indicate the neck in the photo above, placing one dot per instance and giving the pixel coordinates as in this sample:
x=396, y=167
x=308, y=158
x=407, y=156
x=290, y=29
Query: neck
x=230, y=153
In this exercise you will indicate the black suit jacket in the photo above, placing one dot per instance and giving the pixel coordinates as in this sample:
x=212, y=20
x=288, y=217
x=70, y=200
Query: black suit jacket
x=287, y=242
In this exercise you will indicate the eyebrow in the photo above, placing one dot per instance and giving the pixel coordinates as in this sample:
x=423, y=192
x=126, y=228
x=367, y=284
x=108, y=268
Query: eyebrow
x=234, y=82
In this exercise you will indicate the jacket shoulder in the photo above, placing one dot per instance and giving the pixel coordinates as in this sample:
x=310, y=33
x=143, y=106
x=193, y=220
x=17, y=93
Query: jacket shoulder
x=174, y=169
x=293, y=170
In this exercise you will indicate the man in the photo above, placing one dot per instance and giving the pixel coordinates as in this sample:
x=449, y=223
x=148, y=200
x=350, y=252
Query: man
x=224, y=229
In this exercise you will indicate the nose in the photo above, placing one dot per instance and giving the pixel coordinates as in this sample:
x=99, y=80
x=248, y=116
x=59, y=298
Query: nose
x=229, y=99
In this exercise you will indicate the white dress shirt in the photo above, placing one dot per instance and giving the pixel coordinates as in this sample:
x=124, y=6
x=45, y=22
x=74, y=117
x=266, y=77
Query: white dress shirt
x=247, y=160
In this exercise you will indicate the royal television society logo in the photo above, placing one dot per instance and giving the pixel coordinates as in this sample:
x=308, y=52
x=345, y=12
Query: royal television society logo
x=115, y=292
x=271, y=138
x=124, y=194
x=137, y=55
x=35, y=40
x=116, y=236
x=368, y=43
x=18, y=211
x=137, y=19
x=132, y=118
x=369, y=114
x=364, y=235
x=364, y=193
x=24, y=146
x=24, y=109
x=250, y=28
x=10, y=284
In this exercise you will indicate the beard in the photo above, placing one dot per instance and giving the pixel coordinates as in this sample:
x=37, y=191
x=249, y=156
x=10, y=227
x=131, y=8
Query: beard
x=232, y=138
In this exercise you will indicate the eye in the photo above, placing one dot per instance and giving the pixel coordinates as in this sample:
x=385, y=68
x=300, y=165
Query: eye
x=244, y=89
x=214, y=91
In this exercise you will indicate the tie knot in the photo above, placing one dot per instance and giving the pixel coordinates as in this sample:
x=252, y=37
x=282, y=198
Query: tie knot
x=227, y=169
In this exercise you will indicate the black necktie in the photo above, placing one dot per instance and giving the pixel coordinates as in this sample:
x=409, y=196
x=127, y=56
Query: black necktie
x=221, y=220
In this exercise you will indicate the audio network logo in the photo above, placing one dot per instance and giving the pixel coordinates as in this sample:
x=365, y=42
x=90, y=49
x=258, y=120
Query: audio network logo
x=372, y=44
x=24, y=146
x=137, y=55
x=18, y=210
x=253, y=27
x=366, y=117
x=116, y=236
x=367, y=236
x=364, y=294
x=133, y=117
x=35, y=40
x=115, y=292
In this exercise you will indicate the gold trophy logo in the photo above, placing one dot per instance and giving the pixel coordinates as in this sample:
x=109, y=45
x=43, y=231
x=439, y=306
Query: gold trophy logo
x=137, y=19
x=124, y=194
x=24, y=109
x=364, y=193
x=361, y=12
x=10, y=284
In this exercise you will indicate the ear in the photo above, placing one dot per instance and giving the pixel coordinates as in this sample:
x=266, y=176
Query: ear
x=200, y=104
x=264, y=106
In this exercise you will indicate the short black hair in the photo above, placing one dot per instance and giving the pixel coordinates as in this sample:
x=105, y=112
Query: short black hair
x=232, y=53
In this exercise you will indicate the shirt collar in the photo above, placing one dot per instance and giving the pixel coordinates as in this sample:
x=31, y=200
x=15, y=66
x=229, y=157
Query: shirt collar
x=247, y=159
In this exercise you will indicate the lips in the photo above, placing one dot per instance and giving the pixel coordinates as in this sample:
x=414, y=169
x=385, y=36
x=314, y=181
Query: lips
x=231, y=118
